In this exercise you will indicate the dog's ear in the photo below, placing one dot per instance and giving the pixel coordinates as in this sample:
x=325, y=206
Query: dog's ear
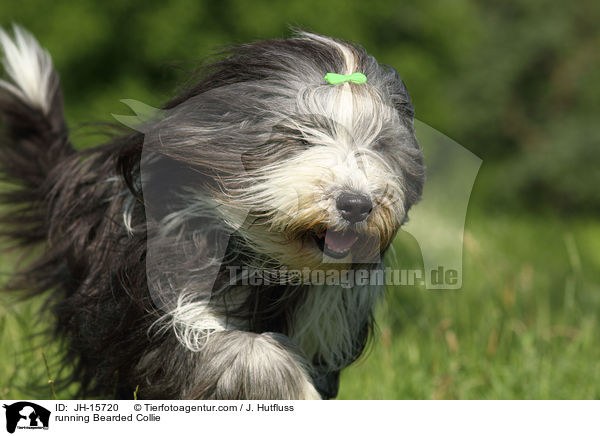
x=399, y=94
x=211, y=132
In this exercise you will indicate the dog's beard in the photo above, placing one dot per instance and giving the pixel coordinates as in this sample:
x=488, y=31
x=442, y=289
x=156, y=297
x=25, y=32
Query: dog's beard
x=290, y=216
x=314, y=245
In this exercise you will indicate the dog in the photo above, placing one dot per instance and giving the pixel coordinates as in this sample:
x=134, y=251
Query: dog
x=199, y=255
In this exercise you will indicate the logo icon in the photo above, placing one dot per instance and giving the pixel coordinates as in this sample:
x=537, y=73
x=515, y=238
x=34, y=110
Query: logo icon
x=26, y=415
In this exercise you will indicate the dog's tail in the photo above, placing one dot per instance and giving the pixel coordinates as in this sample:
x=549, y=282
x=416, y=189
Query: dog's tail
x=33, y=136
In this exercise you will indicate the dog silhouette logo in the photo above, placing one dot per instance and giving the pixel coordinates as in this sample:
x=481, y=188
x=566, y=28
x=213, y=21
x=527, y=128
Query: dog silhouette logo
x=26, y=415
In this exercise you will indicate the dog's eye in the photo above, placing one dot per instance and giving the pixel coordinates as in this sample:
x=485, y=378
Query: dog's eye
x=304, y=142
x=381, y=144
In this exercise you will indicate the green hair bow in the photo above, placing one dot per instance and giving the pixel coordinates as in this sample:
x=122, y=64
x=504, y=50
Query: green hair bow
x=334, y=78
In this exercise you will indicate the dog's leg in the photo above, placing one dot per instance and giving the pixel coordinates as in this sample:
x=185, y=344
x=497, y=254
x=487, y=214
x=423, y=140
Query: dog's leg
x=242, y=365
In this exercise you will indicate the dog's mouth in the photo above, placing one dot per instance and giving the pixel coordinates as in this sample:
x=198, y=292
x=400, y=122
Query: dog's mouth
x=336, y=244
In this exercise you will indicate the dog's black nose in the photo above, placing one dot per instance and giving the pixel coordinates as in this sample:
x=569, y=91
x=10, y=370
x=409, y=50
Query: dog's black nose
x=354, y=207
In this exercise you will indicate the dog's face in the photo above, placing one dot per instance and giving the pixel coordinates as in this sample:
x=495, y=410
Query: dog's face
x=338, y=196
x=306, y=172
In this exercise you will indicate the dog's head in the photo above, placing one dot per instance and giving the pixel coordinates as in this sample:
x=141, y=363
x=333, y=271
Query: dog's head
x=306, y=170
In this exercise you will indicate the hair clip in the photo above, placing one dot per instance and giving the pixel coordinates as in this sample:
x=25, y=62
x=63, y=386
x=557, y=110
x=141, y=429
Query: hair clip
x=334, y=78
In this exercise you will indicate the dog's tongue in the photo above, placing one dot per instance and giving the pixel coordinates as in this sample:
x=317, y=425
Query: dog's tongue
x=340, y=241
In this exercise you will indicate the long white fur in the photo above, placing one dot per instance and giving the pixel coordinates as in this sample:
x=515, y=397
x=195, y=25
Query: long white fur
x=265, y=355
x=193, y=321
x=346, y=52
x=29, y=68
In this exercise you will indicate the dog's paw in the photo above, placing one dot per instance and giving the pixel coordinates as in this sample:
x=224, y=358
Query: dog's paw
x=238, y=365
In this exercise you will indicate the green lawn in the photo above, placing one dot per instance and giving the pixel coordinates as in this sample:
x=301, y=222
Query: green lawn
x=523, y=326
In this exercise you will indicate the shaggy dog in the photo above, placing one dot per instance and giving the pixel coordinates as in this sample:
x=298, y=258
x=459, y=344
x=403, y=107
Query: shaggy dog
x=201, y=256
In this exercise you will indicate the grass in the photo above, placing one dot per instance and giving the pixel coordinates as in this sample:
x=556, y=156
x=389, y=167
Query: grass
x=524, y=325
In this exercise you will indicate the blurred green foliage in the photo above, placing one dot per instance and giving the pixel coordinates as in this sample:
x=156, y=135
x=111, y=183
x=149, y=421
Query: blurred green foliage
x=514, y=81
